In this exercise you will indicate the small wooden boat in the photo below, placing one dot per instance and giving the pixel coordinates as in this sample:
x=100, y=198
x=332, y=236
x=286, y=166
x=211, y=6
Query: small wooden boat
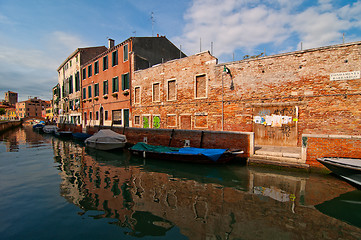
x=106, y=139
x=185, y=154
x=81, y=136
x=50, y=129
x=347, y=168
x=38, y=126
x=64, y=134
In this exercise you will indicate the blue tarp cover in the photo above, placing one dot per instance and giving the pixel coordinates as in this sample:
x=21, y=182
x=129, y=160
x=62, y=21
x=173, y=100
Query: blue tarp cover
x=212, y=154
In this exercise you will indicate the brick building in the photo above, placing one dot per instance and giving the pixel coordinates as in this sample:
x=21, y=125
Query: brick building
x=31, y=108
x=280, y=98
x=106, y=78
x=69, y=84
x=11, y=97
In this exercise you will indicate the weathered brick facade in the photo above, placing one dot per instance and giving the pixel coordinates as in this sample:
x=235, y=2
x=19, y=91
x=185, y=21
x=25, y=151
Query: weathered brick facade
x=279, y=98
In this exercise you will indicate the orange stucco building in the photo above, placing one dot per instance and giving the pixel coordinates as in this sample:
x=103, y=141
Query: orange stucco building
x=106, y=78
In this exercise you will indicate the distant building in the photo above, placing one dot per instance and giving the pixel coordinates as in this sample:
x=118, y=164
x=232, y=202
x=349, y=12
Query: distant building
x=11, y=97
x=69, y=87
x=55, y=103
x=31, y=108
x=11, y=114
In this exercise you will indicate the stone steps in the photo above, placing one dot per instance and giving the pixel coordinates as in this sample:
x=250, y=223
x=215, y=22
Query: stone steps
x=279, y=156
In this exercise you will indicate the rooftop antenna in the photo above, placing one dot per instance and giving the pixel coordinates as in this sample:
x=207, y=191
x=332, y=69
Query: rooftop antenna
x=153, y=21
x=200, y=44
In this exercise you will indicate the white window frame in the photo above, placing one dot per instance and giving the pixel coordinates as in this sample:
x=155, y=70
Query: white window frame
x=153, y=91
x=195, y=86
x=170, y=80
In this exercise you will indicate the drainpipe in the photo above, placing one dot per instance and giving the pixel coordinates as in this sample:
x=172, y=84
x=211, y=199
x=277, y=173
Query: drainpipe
x=222, y=104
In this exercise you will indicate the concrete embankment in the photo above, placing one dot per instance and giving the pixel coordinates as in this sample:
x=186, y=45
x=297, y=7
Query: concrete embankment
x=5, y=126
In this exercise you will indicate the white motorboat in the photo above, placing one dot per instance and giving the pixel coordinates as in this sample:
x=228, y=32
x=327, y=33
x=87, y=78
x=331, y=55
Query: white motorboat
x=50, y=128
x=106, y=139
x=347, y=168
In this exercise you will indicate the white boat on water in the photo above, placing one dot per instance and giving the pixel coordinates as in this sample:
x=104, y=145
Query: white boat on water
x=50, y=128
x=347, y=168
x=106, y=139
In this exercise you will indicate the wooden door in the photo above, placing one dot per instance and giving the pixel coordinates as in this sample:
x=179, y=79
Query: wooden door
x=275, y=125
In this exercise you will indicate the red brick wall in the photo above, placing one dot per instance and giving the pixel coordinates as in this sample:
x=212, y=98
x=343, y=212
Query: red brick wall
x=210, y=139
x=331, y=146
x=300, y=79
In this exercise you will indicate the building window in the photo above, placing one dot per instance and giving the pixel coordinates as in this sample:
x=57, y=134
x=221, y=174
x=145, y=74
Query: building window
x=125, y=81
x=91, y=115
x=156, y=122
x=84, y=93
x=125, y=52
x=89, y=91
x=106, y=115
x=84, y=73
x=137, y=95
x=156, y=92
x=90, y=70
x=77, y=82
x=115, y=84
x=201, y=86
x=105, y=87
x=117, y=116
x=137, y=120
x=70, y=84
x=171, y=120
x=114, y=58
x=96, y=67
x=97, y=115
x=171, y=93
x=105, y=63
x=96, y=89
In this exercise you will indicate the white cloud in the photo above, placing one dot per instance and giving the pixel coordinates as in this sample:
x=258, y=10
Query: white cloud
x=31, y=71
x=316, y=29
x=232, y=24
x=66, y=42
x=247, y=24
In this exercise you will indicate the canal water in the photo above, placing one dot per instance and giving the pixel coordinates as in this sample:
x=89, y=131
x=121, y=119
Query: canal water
x=57, y=189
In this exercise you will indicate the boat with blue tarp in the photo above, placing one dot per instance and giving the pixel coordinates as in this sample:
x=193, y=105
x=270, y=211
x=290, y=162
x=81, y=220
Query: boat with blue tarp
x=185, y=154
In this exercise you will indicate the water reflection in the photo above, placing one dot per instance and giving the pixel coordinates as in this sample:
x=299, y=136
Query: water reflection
x=148, y=198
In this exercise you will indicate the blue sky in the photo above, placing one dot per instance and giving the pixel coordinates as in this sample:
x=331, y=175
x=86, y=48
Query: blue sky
x=37, y=35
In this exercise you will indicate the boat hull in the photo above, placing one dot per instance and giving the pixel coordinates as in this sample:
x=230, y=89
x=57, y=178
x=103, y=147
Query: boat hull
x=349, y=170
x=189, y=158
x=50, y=129
x=105, y=145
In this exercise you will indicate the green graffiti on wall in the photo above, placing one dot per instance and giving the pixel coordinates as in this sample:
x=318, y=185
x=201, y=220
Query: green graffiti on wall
x=145, y=122
x=156, y=122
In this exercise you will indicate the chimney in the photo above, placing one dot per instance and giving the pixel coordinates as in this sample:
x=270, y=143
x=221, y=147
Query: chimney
x=110, y=43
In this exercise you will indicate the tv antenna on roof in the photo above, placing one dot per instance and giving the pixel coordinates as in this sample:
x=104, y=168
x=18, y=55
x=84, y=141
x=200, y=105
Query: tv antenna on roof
x=153, y=21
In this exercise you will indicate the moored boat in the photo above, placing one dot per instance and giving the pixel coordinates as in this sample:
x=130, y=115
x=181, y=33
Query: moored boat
x=50, y=128
x=185, y=154
x=106, y=139
x=64, y=134
x=38, y=126
x=347, y=168
x=81, y=136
